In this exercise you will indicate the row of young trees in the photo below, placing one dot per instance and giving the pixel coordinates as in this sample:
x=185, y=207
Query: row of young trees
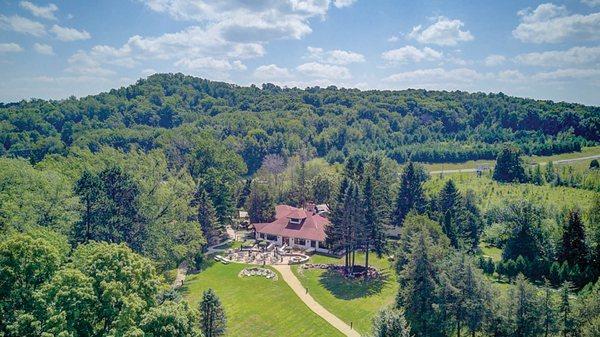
x=96, y=289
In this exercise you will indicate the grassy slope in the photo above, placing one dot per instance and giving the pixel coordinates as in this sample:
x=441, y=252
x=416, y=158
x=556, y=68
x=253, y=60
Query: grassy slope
x=256, y=306
x=585, y=152
x=351, y=301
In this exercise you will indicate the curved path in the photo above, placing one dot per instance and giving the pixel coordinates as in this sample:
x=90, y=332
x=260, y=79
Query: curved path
x=294, y=283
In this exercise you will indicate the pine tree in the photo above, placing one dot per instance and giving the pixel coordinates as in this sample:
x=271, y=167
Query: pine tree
x=509, y=166
x=245, y=193
x=420, y=286
x=448, y=204
x=261, y=206
x=89, y=189
x=207, y=216
x=548, y=313
x=537, y=177
x=410, y=195
x=213, y=321
x=574, y=248
x=390, y=323
x=550, y=174
x=528, y=319
x=346, y=229
x=567, y=321
x=374, y=236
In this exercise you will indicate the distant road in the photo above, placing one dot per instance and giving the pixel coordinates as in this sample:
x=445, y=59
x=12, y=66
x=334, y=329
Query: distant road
x=561, y=161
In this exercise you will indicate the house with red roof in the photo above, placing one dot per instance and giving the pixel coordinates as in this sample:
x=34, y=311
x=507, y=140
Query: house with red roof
x=302, y=228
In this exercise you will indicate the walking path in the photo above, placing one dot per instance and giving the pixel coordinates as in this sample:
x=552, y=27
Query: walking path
x=181, y=272
x=294, y=283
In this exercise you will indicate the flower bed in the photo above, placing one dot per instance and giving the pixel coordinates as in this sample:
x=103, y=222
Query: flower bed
x=261, y=272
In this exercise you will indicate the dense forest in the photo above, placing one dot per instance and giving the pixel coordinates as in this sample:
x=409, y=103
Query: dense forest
x=165, y=109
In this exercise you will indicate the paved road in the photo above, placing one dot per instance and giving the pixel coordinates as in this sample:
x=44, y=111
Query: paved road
x=294, y=283
x=561, y=161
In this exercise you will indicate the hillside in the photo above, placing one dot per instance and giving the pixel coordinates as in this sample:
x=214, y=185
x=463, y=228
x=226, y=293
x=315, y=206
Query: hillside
x=164, y=110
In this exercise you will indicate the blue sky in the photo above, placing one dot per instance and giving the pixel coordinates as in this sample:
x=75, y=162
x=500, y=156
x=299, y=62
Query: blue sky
x=547, y=50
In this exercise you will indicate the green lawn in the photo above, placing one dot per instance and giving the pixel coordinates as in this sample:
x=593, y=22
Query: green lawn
x=256, y=306
x=351, y=301
x=489, y=251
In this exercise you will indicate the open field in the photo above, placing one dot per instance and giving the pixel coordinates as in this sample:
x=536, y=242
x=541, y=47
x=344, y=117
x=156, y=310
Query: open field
x=472, y=164
x=256, y=306
x=351, y=301
x=493, y=193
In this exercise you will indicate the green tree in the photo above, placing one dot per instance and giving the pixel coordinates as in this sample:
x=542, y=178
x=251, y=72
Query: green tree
x=374, y=220
x=170, y=319
x=89, y=189
x=594, y=164
x=548, y=310
x=567, y=321
x=390, y=322
x=526, y=238
x=410, y=195
x=509, y=166
x=212, y=316
x=207, y=217
x=261, y=206
x=448, y=204
x=527, y=309
x=573, y=245
x=420, y=285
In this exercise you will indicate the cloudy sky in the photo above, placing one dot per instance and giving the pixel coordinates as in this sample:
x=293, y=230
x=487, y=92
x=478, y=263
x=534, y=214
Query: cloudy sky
x=547, y=50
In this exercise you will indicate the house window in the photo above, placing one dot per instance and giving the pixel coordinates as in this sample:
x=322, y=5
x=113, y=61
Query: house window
x=313, y=244
x=271, y=237
x=301, y=242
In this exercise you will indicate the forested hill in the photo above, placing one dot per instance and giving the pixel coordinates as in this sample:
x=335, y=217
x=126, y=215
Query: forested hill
x=166, y=110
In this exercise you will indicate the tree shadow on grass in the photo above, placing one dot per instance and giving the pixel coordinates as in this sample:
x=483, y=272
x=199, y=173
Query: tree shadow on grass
x=349, y=289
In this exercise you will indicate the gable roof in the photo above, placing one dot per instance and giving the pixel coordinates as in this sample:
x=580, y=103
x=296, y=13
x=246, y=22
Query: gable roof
x=312, y=226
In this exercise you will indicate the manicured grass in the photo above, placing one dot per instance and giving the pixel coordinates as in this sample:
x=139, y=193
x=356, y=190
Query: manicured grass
x=352, y=301
x=492, y=193
x=256, y=306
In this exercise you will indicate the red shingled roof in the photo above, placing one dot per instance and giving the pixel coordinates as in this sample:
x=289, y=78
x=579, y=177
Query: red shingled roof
x=312, y=227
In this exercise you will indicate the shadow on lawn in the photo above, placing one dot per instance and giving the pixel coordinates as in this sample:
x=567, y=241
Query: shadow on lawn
x=349, y=289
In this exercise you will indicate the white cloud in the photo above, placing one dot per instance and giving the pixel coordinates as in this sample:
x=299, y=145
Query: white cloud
x=83, y=64
x=443, y=32
x=210, y=63
x=340, y=57
x=591, y=3
x=46, y=12
x=271, y=72
x=320, y=70
x=511, y=76
x=147, y=72
x=411, y=53
x=549, y=23
x=436, y=75
x=22, y=25
x=570, y=57
x=10, y=48
x=568, y=74
x=43, y=48
x=494, y=60
x=69, y=34
x=393, y=38
x=343, y=3
x=250, y=21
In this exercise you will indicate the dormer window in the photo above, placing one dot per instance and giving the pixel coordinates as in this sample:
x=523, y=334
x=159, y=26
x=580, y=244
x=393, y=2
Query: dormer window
x=295, y=221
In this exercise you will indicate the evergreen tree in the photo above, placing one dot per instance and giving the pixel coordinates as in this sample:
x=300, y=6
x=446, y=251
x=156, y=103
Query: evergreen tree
x=548, y=312
x=550, y=174
x=527, y=311
x=89, y=189
x=410, y=195
x=470, y=222
x=213, y=321
x=261, y=206
x=448, y=204
x=420, y=286
x=574, y=248
x=567, y=321
x=245, y=193
x=374, y=236
x=207, y=217
x=390, y=323
x=509, y=166
x=594, y=164
x=537, y=177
